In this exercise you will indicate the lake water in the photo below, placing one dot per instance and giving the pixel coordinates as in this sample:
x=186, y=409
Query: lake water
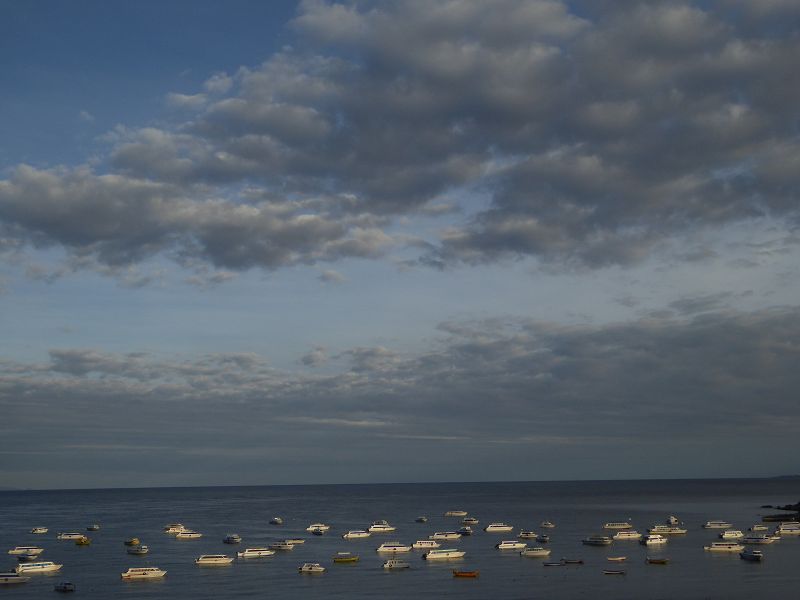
x=578, y=509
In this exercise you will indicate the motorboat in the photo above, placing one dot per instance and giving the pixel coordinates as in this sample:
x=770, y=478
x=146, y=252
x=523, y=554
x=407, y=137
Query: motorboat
x=762, y=539
x=174, y=528
x=627, y=534
x=445, y=535
x=526, y=534
x=421, y=520
x=380, y=527
x=752, y=555
x=653, y=539
x=672, y=520
x=511, y=545
x=393, y=547
x=134, y=541
x=38, y=567
x=597, y=540
x=356, y=534
x=717, y=525
x=425, y=544
x=83, y=541
x=232, y=538
x=93, y=527
x=188, y=534
x=724, y=547
x=471, y=574
x=64, y=586
x=547, y=525
x=255, y=553
x=443, y=554
x=318, y=527
x=39, y=530
x=571, y=561
x=537, y=552
x=731, y=534
x=553, y=564
x=613, y=572
x=311, y=568
x=345, y=557
x=455, y=513
x=213, y=560
x=13, y=577
x=788, y=528
x=276, y=521
x=656, y=560
x=465, y=530
x=395, y=564
x=498, y=528
x=667, y=530
x=136, y=573
x=295, y=541
x=616, y=558
x=617, y=525
x=282, y=546
x=469, y=521
x=758, y=527
x=139, y=550
x=69, y=536
x=26, y=550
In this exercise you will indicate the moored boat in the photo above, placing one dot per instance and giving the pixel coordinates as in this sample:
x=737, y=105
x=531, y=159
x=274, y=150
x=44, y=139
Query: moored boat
x=380, y=527
x=731, y=534
x=213, y=560
x=39, y=530
x=654, y=560
x=469, y=521
x=617, y=525
x=543, y=538
x=752, y=555
x=83, y=541
x=443, y=554
x=717, y=525
x=232, y=538
x=613, y=572
x=527, y=534
x=311, y=568
x=134, y=541
x=547, y=525
x=393, y=547
x=468, y=574
x=395, y=564
x=762, y=539
x=282, y=546
x=138, y=573
x=628, y=534
x=295, y=541
x=724, y=547
x=255, y=553
x=445, y=535
x=318, y=527
x=667, y=530
x=511, y=545
x=276, y=521
x=425, y=544
x=597, y=540
x=455, y=513
x=345, y=557
x=421, y=519
x=465, y=530
x=13, y=577
x=26, y=550
x=653, y=539
x=498, y=528
x=174, y=528
x=188, y=534
x=758, y=527
x=537, y=552
x=356, y=534
x=139, y=550
x=616, y=558
x=93, y=527
x=69, y=536
x=46, y=566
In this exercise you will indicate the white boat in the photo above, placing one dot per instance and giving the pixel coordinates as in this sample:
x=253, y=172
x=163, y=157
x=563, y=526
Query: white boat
x=394, y=563
x=788, y=528
x=174, y=528
x=672, y=520
x=752, y=555
x=526, y=534
x=617, y=525
x=724, y=547
x=717, y=525
x=356, y=534
x=762, y=539
x=69, y=536
x=295, y=541
x=498, y=528
x=597, y=540
x=537, y=552
x=312, y=568
x=511, y=545
x=213, y=560
x=628, y=534
x=232, y=538
x=653, y=539
x=134, y=573
x=470, y=521
x=445, y=535
x=282, y=546
x=380, y=527
x=39, y=530
x=455, y=513
x=276, y=521
x=667, y=530
x=188, y=534
x=547, y=525
x=255, y=553
x=26, y=550
x=443, y=554
x=318, y=526
x=731, y=534
x=38, y=567
x=393, y=547
x=758, y=527
x=139, y=550
x=422, y=544
x=13, y=577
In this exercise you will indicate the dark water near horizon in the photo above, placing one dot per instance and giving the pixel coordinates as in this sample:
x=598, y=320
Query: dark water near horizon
x=578, y=509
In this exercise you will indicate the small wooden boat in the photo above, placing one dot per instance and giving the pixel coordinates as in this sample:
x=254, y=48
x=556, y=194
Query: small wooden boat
x=83, y=541
x=616, y=558
x=572, y=561
x=64, y=586
x=134, y=541
x=473, y=574
x=613, y=572
x=345, y=557
x=657, y=561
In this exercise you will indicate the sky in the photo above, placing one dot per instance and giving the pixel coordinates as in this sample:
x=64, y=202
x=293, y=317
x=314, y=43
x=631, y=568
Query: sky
x=250, y=243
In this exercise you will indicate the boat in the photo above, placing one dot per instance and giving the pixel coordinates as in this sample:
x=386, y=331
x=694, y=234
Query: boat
x=455, y=513
x=13, y=577
x=553, y=564
x=134, y=541
x=445, y=535
x=174, y=528
x=393, y=547
x=38, y=567
x=498, y=528
x=28, y=556
x=425, y=544
x=759, y=528
x=139, y=550
x=64, y=586
x=421, y=520
x=83, y=541
x=443, y=554
x=39, y=530
x=672, y=520
x=314, y=527
x=282, y=546
x=617, y=525
x=93, y=527
x=511, y=545
x=613, y=572
x=465, y=530
x=543, y=538
x=26, y=550
x=317, y=532
x=232, y=538
x=380, y=527
x=731, y=534
x=187, y=534
x=537, y=552
x=295, y=541
x=572, y=561
x=717, y=525
x=616, y=558
x=311, y=568
x=667, y=530
x=526, y=534
x=472, y=574
x=255, y=553
x=395, y=564
x=69, y=536
x=788, y=528
x=213, y=560
x=547, y=525
x=597, y=540
x=276, y=521
x=724, y=547
x=470, y=521
x=138, y=573
x=356, y=534
x=627, y=534
x=652, y=560
x=345, y=557
x=653, y=539
x=757, y=539
x=752, y=555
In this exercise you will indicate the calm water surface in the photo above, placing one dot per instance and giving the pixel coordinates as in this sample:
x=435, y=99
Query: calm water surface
x=578, y=509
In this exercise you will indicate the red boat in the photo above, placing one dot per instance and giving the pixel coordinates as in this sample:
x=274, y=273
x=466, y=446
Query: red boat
x=457, y=573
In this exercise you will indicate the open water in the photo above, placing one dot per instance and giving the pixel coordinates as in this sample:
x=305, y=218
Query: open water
x=578, y=509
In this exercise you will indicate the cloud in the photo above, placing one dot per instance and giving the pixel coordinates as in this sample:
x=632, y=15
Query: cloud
x=316, y=357
x=331, y=277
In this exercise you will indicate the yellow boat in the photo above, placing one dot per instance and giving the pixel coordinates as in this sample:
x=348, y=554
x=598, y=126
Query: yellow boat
x=345, y=557
x=134, y=541
x=83, y=541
